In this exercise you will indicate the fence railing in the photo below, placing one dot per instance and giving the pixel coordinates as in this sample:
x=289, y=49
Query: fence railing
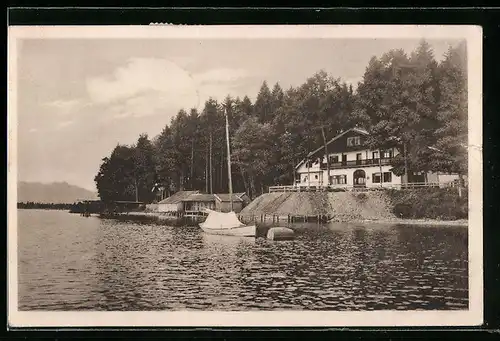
x=322, y=188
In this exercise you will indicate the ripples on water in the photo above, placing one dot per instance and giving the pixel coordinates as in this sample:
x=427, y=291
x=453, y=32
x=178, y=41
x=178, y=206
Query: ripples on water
x=67, y=262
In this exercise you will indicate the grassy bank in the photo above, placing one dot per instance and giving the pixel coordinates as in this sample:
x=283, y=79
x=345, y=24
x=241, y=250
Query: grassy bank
x=429, y=203
x=419, y=206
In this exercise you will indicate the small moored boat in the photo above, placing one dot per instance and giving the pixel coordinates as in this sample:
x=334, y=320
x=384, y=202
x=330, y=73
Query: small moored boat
x=226, y=224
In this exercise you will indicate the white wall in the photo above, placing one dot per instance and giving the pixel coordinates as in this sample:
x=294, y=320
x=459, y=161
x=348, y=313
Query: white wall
x=313, y=181
x=349, y=172
x=395, y=180
x=169, y=207
x=321, y=179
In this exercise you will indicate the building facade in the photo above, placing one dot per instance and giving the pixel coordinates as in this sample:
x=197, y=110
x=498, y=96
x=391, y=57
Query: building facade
x=198, y=202
x=352, y=164
x=173, y=204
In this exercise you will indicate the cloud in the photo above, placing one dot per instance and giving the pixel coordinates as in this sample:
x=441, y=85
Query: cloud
x=148, y=86
x=64, y=106
x=141, y=75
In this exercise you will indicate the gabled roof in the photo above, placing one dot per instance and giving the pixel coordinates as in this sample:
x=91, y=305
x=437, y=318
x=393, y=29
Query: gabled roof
x=358, y=130
x=226, y=197
x=199, y=197
x=177, y=197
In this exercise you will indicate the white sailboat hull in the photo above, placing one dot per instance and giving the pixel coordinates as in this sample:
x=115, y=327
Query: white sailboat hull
x=241, y=231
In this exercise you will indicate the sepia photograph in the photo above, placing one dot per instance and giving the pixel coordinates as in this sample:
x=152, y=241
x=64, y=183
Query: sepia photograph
x=324, y=175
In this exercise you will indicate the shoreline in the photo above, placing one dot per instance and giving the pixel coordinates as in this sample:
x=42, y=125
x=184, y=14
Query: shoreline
x=395, y=221
x=429, y=222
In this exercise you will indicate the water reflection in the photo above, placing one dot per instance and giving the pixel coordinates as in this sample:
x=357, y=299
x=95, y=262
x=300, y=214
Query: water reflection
x=68, y=263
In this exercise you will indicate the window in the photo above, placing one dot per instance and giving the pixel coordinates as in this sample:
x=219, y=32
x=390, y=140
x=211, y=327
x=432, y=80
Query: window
x=376, y=177
x=358, y=158
x=387, y=177
x=353, y=141
x=375, y=155
x=305, y=178
x=338, y=179
x=387, y=154
x=334, y=159
x=316, y=176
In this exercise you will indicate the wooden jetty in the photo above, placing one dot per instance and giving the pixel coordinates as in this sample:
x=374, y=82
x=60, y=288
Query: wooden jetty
x=289, y=219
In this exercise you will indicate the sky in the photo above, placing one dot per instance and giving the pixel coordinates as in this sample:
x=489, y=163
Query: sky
x=79, y=98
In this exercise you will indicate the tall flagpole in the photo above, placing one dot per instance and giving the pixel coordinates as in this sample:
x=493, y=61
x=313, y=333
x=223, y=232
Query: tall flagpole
x=229, y=160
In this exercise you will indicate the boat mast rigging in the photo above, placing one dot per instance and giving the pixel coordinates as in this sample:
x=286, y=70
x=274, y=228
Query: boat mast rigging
x=228, y=159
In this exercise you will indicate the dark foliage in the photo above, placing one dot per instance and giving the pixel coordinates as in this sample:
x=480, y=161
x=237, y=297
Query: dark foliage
x=429, y=203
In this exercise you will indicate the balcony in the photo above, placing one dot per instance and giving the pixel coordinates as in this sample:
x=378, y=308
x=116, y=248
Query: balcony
x=357, y=163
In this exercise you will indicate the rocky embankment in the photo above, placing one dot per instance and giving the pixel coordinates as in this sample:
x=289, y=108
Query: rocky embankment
x=338, y=206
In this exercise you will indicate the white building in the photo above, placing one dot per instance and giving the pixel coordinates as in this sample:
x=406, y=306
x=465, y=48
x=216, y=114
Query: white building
x=352, y=164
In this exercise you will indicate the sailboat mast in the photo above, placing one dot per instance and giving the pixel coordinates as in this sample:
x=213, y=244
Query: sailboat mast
x=229, y=160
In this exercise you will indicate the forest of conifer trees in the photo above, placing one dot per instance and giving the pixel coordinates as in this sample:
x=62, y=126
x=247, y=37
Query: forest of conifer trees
x=412, y=96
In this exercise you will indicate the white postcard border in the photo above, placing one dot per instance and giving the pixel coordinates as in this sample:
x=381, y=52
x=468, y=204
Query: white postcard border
x=473, y=316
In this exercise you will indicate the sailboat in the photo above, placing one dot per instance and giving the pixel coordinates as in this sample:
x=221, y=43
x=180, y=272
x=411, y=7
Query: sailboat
x=227, y=223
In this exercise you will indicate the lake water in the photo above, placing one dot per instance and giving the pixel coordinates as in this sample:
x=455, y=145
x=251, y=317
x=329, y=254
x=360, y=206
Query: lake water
x=69, y=262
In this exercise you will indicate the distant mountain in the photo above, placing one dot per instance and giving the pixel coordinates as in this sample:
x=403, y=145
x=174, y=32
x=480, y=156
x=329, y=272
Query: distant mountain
x=56, y=192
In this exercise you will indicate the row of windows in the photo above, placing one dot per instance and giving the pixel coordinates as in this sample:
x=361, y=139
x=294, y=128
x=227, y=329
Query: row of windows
x=387, y=177
x=353, y=141
x=338, y=179
x=386, y=154
x=342, y=179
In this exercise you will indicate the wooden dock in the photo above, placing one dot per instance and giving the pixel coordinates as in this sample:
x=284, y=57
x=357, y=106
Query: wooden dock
x=278, y=219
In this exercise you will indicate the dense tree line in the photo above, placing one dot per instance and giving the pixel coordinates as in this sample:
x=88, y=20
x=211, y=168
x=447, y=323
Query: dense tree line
x=43, y=206
x=408, y=100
